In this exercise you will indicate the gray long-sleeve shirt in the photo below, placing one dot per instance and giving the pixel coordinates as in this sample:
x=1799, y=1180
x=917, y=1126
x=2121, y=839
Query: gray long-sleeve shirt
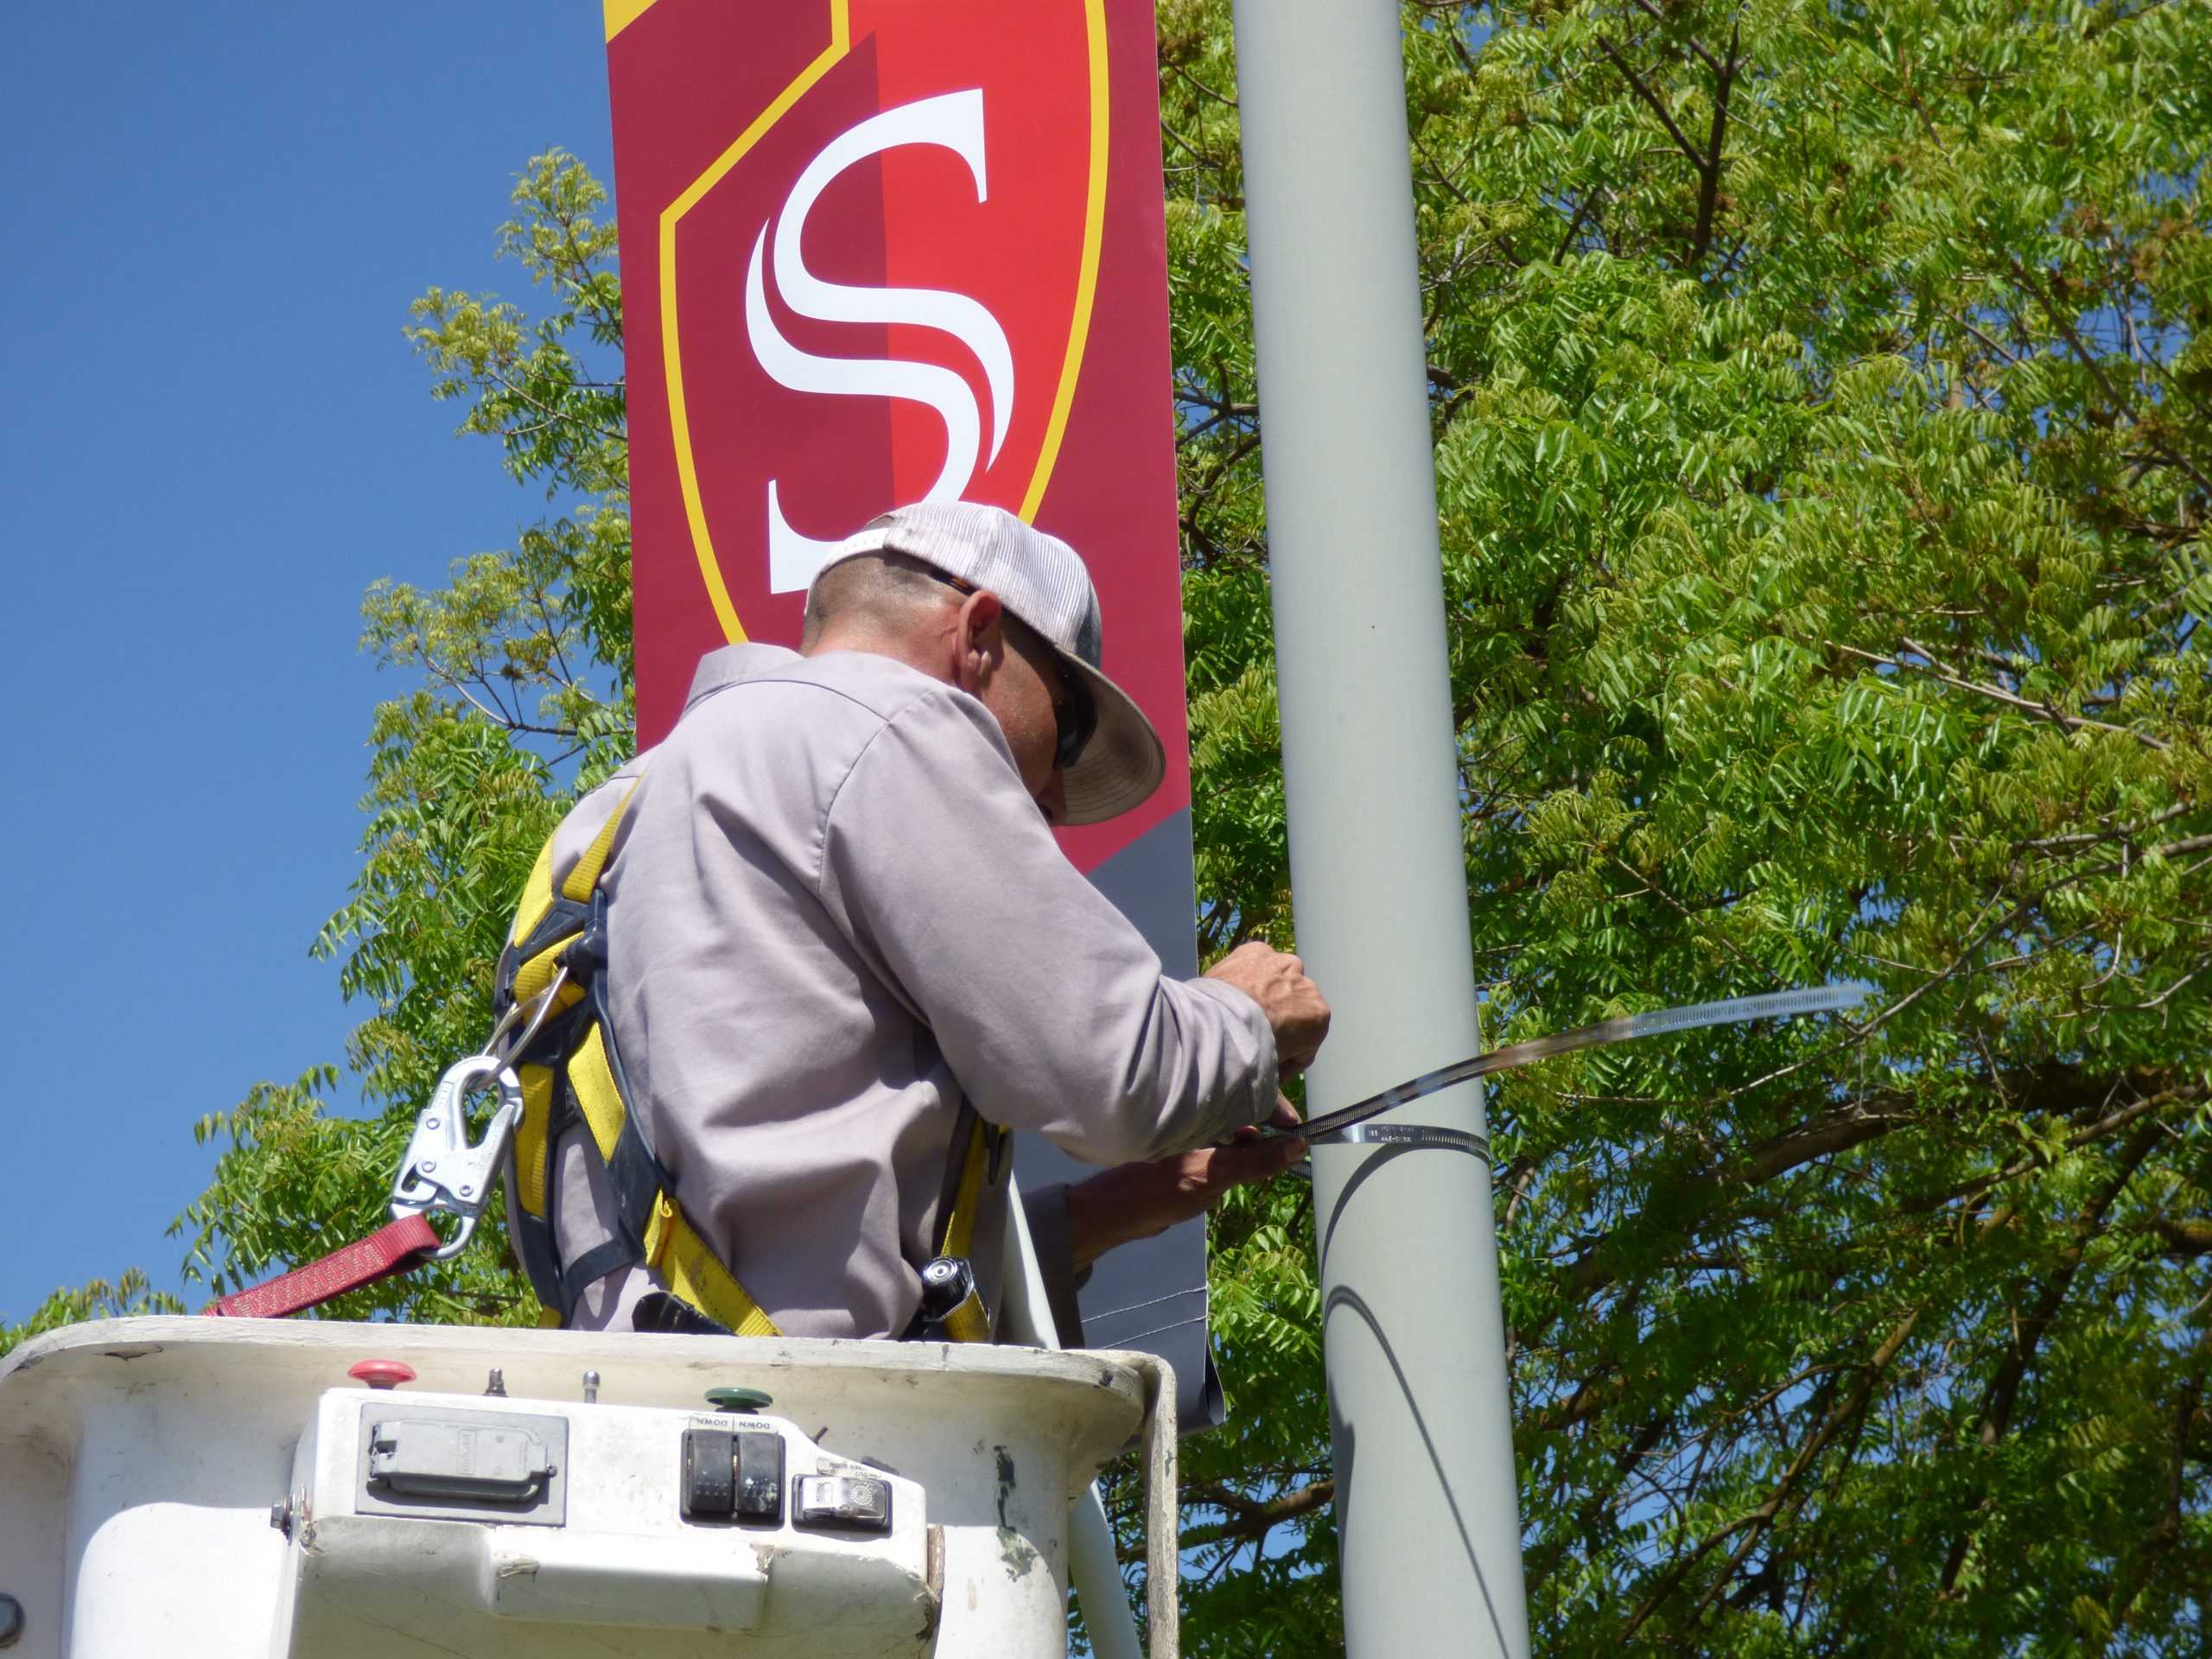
x=832, y=908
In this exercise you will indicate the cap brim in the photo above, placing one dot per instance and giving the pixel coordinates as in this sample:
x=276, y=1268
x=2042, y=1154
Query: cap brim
x=1124, y=761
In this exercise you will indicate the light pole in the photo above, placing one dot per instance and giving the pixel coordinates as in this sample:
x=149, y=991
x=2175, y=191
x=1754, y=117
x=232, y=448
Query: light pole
x=1420, y=1415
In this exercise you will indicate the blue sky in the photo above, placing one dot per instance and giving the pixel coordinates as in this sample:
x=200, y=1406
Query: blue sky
x=214, y=438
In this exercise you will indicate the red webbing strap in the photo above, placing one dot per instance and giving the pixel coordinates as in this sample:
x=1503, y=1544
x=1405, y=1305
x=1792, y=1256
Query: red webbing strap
x=390, y=1249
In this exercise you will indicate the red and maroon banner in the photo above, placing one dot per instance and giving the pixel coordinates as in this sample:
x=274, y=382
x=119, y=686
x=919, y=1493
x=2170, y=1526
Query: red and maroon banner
x=875, y=251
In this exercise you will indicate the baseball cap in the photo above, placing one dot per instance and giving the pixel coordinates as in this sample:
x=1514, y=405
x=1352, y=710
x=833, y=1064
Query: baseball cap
x=1042, y=580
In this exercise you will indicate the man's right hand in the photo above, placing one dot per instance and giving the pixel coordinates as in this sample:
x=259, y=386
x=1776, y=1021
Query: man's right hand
x=1276, y=981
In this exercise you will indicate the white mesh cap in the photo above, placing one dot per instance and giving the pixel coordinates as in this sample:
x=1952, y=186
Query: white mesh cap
x=1041, y=580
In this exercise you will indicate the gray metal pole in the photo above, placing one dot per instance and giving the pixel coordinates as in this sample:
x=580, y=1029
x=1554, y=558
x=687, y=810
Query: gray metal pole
x=1426, y=1501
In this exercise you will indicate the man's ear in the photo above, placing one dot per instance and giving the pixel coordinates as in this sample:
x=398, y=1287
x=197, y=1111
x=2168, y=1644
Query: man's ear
x=979, y=635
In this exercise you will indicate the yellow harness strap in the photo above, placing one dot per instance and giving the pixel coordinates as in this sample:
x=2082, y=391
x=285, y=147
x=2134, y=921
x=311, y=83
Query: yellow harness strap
x=958, y=1235
x=583, y=880
x=971, y=1321
x=694, y=1275
x=673, y=1247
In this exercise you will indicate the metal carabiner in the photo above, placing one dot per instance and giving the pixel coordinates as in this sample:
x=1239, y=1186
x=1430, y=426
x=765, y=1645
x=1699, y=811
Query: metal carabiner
x=442, y=1171
x=533, y=1012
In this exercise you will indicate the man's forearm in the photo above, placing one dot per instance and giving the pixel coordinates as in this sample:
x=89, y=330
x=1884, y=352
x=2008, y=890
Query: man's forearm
x=1135, y=1201
x=1114, y=1208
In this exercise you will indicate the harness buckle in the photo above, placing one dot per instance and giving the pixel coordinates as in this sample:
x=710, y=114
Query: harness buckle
x=442, y=1171
x=952, y=1303
x=586, y=952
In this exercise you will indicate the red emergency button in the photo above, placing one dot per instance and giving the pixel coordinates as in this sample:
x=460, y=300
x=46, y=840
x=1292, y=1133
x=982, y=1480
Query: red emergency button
x=382, y=1373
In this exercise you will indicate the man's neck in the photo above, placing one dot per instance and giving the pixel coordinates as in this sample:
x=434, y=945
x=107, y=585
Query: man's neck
x=878, y=644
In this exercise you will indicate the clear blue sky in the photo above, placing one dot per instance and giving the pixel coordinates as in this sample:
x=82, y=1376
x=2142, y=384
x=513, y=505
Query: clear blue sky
x=213, y=438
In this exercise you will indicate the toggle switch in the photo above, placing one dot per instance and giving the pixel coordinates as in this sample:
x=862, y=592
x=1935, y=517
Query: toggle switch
x=848, y=1503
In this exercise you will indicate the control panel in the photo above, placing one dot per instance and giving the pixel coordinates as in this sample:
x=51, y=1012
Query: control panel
x=556, y=1513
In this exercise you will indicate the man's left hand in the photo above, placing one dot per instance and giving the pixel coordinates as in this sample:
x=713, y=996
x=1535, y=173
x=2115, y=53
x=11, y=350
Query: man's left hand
x=1138, y=1200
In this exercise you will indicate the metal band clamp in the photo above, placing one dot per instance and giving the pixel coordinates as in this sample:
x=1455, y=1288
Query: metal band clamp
x=1407, y=1134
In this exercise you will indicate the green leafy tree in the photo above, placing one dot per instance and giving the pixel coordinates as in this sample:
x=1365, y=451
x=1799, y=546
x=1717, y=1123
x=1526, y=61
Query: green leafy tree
x=129, y=1297
x=1820, y=401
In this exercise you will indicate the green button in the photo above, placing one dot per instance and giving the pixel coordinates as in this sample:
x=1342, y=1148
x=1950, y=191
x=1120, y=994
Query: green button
x=739, y=1399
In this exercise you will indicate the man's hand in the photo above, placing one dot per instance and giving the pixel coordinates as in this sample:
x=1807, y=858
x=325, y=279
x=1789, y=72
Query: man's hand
x=1138, y=1200
x=1276, y=981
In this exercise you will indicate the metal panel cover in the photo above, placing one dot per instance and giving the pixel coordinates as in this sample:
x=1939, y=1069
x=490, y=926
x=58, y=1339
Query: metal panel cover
x=421, y=1461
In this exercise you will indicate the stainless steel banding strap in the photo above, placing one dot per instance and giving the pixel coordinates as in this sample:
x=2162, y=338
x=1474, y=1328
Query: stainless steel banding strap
x=1410, y=1135
x=1777, y=1005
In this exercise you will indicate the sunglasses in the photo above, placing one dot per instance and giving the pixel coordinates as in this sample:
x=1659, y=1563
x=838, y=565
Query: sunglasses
x=1074, y=716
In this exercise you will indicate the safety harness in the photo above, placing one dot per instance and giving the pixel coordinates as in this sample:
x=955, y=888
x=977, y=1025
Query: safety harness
x=553, y=976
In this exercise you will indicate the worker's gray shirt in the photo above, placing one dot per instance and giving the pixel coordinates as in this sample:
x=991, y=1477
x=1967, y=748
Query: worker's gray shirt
x=832, y=909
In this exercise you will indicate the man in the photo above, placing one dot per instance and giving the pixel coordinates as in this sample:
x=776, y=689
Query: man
x=835, y=909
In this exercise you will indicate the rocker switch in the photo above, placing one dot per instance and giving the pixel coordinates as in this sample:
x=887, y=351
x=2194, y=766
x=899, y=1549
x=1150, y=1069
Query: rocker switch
x=734, y=1475
x=759, y=1476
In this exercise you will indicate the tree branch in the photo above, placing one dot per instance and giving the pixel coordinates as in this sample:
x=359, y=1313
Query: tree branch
x=1708, y=194
x=1660, y=18
x=1755, y=1522
x=2184, y=1236
x=1250, y=1521
x=2169, y=1531
x=1996, y=694
x=2028, y=1332
x=2119, y=404
x=1636, y=82
x=1709, y=160
x=2097, y=1131
x=1575, y=224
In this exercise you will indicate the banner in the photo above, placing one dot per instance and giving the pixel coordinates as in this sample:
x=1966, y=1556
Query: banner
x=878, y=251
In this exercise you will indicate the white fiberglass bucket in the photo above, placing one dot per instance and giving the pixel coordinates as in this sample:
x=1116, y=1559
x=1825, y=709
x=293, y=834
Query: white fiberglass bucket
x=223, y=1488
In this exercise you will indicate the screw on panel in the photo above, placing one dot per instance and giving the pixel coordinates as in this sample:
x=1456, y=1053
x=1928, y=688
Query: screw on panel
x=280, y=1515
x=591, y=1388
x=496, y=1383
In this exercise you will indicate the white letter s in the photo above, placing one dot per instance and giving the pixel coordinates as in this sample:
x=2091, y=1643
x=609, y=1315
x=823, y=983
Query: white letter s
x=955, y=121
